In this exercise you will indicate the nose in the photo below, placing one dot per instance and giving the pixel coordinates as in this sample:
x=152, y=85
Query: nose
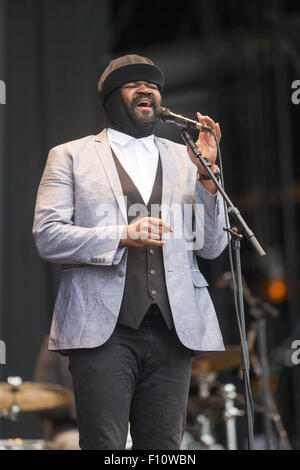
x=144, y=88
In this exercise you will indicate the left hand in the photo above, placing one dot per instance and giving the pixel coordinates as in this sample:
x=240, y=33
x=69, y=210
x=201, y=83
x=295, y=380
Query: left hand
x=206, y=144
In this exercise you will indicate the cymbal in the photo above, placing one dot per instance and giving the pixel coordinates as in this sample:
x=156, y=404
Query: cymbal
x=217, y=361
x=33, y=396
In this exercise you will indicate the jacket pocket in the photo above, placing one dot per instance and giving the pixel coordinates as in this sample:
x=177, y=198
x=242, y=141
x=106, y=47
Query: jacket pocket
x=198, y=279
x=73, y=267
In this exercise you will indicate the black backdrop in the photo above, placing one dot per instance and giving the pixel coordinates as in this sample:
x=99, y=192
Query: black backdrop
x=236, y=62
x=54, y=54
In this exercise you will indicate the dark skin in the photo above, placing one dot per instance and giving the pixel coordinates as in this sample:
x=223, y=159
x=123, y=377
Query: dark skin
x=142, y=98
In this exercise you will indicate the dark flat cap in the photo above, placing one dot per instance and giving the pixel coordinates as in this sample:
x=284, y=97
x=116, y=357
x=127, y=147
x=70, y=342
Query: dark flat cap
x=125, y=69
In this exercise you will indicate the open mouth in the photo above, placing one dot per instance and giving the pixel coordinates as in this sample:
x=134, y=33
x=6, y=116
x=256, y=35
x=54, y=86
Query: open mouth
x=144, y=104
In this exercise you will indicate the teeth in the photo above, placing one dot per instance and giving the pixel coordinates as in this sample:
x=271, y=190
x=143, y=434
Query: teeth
x=144, y=103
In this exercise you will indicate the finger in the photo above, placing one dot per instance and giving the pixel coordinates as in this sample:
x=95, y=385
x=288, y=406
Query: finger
x=154, y=220
x=148, y=242
x=200, y=119
x=159, y=229
x=155, y=242
x=155, y=229
x=161, y=223
x=218, y=131
x=208, y=122
x=154, y=236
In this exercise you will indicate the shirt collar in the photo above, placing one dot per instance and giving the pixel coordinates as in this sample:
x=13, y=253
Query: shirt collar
x=123, y=139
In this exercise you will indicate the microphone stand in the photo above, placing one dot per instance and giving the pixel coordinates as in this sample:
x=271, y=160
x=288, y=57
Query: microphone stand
x=236, y=238
x=259, y=309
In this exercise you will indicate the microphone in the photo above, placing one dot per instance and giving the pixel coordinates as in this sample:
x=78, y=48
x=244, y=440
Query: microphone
x=166, y=115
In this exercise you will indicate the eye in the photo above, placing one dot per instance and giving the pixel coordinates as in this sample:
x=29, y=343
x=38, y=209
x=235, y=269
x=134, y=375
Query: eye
x=130, y=85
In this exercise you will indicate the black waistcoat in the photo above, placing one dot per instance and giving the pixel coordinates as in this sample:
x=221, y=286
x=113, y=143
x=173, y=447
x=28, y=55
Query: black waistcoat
x=145, y=276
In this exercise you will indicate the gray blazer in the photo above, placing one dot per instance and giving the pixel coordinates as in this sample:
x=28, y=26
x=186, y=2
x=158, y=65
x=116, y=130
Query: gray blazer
x=80, y=215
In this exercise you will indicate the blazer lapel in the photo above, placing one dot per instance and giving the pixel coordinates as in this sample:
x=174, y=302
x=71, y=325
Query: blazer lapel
x=168, y=178
x=106, y=158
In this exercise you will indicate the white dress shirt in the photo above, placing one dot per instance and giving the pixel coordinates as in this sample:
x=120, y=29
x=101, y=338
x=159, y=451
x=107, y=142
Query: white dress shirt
x=138, y=157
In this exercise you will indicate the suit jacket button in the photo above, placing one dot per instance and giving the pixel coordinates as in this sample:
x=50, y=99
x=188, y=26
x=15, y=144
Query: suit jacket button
x=121, y=273
x=152, y=272
x=151, y=251
x=154, y=292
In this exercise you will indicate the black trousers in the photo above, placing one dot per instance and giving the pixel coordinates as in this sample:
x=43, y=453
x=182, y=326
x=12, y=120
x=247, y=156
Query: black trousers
x=138, y=376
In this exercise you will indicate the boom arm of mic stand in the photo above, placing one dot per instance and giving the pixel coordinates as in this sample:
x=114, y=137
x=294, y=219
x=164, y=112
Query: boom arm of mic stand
x=232, y=210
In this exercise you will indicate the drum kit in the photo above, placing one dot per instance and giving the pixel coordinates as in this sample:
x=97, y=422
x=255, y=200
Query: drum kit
x=213, y=404
x=17, y=396
x=213, y=401
x=218, y=405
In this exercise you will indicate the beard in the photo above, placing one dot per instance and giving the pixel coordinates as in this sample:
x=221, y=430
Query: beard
x=130, y=119
x=144, y=120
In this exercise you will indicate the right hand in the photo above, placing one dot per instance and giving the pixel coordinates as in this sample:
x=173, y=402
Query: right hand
x=144, y=232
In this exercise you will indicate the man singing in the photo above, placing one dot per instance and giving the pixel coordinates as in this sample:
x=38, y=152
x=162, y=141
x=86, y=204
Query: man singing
x=132, y=305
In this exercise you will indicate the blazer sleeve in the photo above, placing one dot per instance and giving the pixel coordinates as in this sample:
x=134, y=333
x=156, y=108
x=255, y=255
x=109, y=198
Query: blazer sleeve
x=56, y=237
x=210, y=222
